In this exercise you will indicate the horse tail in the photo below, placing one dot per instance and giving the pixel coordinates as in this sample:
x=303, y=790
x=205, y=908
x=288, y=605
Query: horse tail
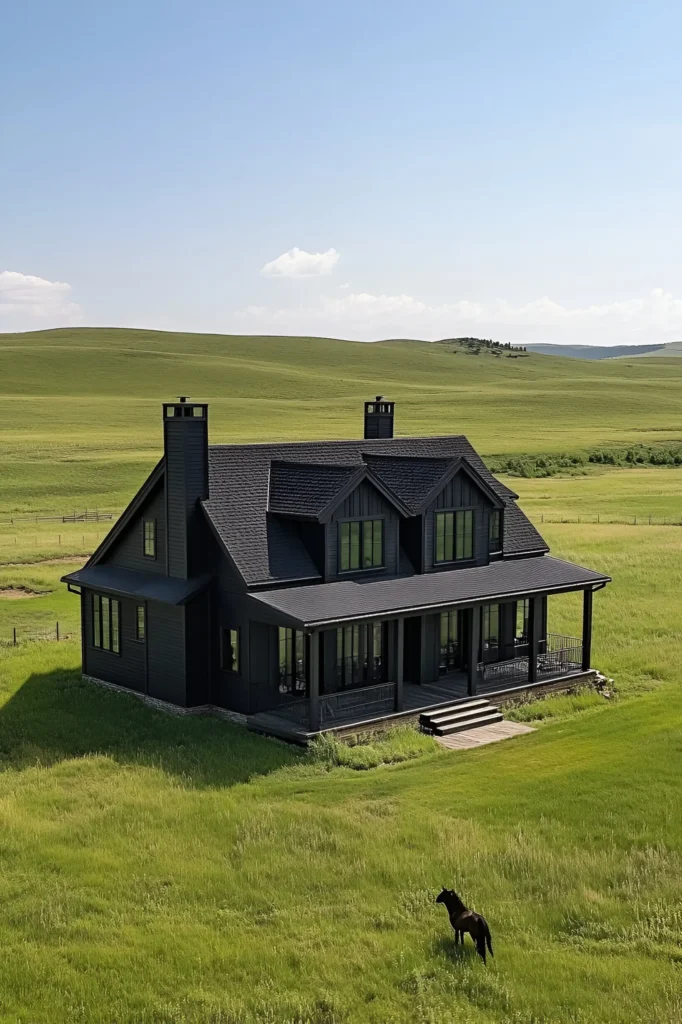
x=480, y=946
x=488, y=938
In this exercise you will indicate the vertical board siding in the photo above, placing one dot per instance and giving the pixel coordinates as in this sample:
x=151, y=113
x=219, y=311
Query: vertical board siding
x=166, y=651
x=128, y=551
x=460, y=492
x=365, y=502
x=127, y=668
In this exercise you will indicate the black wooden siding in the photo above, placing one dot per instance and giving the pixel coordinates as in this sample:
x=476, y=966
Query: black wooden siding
x=127, y=668
x=128, y=551
x=166, y=652
x=365, y=502
x=186, y=483
x=460, y=492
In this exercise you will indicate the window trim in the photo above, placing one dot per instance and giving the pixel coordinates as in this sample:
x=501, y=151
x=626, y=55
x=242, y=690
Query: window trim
x=292, y=637
x=497, y=546
x=145, y=553
x=361, y=542
x=97, y=632
x=454, y=511
x=141, y=639
x=362, y=661
x=237, y=630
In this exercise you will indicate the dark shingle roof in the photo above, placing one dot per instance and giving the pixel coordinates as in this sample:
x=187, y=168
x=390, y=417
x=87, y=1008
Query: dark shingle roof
x=305, y=489
x=263, y=551
x=328, y=603
x=146, y=586
x=408, y=477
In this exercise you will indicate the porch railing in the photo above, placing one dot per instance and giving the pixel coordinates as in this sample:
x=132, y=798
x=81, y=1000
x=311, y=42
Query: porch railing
x=345, y=704
x=558, y=655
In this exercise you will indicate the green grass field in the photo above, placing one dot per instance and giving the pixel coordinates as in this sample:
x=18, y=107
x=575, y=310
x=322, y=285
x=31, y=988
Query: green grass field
x=81, y=407
x=163, y=871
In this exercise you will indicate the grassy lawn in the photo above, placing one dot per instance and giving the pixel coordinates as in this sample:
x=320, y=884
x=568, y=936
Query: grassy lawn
x=156, y=870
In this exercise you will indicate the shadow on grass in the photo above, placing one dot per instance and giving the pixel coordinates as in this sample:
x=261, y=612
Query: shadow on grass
x=56, y=716
x=445, y=946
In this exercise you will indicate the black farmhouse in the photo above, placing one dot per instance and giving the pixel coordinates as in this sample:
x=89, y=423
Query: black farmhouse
x=309, y=585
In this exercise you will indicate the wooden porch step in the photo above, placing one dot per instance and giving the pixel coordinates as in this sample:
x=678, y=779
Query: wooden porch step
x=469, y=714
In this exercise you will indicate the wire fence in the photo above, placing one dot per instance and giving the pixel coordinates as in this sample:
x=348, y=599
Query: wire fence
x=16, y=635
x=606, y=519
x=88, y=515
x=50, y=540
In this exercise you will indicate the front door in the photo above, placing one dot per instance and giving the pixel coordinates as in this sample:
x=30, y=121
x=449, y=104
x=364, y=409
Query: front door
x=412, y=650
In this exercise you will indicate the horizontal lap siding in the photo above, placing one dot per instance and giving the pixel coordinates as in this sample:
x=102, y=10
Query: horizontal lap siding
x=127, y=668
x=364, y=503
x=128, y=551
x=263, y=661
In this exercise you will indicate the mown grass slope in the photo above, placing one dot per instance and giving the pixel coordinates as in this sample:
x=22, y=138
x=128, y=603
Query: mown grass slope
x=81, y=416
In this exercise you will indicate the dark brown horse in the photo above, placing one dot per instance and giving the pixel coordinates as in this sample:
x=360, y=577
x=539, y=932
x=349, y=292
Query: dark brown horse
x=464, y=920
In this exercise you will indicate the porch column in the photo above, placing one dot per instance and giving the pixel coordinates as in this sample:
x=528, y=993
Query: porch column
x=398, y=662
x=314, y=683
x=474, y=645
x=534, y=630
x=587, y=629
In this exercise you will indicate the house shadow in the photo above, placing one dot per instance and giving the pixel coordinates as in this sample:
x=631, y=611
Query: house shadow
x=56, y=716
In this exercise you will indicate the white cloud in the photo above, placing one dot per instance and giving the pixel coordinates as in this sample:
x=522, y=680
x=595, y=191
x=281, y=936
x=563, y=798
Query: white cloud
x=29, y=301
x=654, y=318
x=299, y=263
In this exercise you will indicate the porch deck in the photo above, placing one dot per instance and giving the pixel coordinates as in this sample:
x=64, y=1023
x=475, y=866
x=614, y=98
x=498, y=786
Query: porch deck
x=287, y=723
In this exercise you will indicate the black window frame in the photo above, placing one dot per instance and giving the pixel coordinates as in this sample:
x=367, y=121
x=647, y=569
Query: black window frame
x=376, y=524
x=449, y=642
x=292, y=668
x=230, y=639
x=145, y=524
x=141, y=634
x=106, y=623
x=523, y=606
x=357, y=661
x=495, y=531
x=486, y=629
x=468, y=514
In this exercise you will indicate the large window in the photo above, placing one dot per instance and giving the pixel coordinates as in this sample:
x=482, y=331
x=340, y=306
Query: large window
x=230, y=650
x=106, y=620
x=360, y=654
x=149, y=526
x=454, y=535
x=495, y=530
x=361, y=544
x=491, y=627
x=292, y=661
x=521, y=632
x=450, y=659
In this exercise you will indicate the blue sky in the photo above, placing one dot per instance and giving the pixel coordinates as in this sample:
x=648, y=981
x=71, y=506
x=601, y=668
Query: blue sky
x=358, y=170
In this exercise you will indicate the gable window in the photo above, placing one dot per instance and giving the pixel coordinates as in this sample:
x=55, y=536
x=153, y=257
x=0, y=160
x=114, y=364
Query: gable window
x=449, y=642
x=106, y=619
x=521, y=631
x=491, y=627
x=360, y=654
x=454, y=535
x=149, y=527
x=230, y=650
x=494, y=530
x=292, y=661
x=140, y=622
x=361, y=544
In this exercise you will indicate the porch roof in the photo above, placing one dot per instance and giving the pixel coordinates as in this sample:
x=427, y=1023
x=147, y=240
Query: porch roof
x=149, y=586
x=326, y=604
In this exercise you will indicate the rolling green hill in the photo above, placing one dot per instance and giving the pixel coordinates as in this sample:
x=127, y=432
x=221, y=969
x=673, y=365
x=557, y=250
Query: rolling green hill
x=80, y=417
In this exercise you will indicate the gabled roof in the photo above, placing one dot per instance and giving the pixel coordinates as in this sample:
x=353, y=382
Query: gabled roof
x=239, y=488
x=419, y=481
x=154, y=479
x=315, y=490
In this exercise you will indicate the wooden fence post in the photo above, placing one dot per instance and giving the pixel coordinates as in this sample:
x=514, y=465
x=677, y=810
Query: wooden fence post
x=57, y=631
x=14, y=635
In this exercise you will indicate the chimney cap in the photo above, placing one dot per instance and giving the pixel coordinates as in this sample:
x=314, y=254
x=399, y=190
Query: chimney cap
x=183, y=398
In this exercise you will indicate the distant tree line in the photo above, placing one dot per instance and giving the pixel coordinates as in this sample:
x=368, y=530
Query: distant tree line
x=474, y=346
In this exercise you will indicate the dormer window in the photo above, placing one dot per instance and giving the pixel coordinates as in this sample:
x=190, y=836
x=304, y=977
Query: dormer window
x=454, y=535
x=361, y=545
x=495, y=530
